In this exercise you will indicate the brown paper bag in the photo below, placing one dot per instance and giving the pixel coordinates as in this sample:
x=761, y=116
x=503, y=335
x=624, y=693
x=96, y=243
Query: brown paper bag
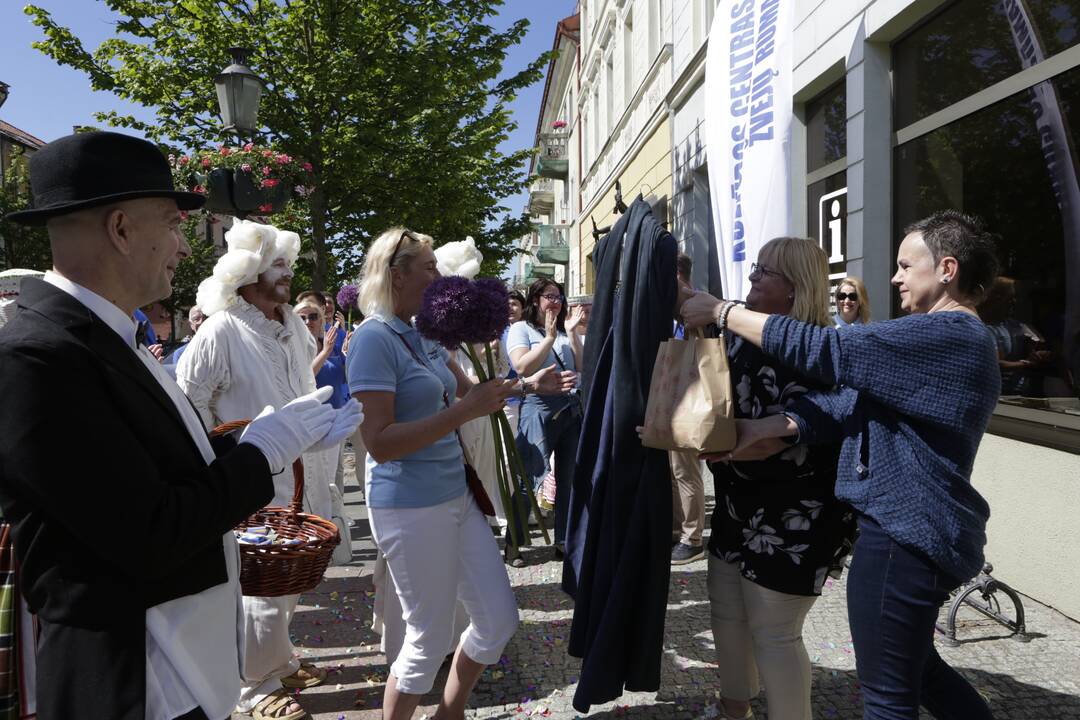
x=690, y=405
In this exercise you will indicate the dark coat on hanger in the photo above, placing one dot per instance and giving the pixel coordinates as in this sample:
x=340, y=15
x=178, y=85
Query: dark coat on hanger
x=618, y=549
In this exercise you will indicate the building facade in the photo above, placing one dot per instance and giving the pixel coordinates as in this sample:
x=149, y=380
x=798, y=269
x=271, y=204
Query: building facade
x=553, y=199
x=902, y=108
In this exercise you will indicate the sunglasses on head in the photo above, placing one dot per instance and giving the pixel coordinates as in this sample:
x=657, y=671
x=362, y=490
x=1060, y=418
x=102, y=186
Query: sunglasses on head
x=841, y=296
x=397, y=248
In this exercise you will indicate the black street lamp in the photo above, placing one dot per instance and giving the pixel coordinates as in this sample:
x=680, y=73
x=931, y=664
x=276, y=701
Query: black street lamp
x=239, y=91
x=4, y=92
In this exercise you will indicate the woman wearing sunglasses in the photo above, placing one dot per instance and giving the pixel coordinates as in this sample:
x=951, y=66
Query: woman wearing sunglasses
x=852, y=304
x=329, y=363
x=435, y=539
x=547, y=424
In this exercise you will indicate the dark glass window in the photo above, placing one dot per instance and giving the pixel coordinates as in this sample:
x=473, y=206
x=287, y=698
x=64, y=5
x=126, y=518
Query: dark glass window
x=1014, y=165
x=826, y=216
x=970, y=46
x=826, y=127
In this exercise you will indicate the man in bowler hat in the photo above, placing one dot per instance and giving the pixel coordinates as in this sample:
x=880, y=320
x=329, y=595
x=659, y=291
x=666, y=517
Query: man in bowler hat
x=122, y=511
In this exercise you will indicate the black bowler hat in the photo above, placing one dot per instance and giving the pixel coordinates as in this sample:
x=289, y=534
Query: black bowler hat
x=89, y=169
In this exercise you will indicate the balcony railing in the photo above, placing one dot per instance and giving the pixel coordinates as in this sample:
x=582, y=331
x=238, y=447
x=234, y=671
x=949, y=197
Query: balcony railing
x=553, y=161
x=542, y=196
x=554, y=244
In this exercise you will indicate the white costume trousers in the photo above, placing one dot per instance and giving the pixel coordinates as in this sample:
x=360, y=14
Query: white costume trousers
x=269, y=654
x=437, y=556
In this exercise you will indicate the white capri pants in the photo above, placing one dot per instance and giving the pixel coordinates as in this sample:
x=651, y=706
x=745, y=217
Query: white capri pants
x=438, y=555
x=751, y=622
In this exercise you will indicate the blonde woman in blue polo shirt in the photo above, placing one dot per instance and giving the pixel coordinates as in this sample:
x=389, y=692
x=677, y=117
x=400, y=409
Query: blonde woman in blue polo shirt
x=436, y=541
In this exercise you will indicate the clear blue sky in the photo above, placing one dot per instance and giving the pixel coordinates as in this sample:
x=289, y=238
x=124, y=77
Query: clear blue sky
x=48, y=100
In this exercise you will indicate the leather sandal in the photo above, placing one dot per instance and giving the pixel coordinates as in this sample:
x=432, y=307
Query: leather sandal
x=275, y=707
x=513, y=557
x=307, y=676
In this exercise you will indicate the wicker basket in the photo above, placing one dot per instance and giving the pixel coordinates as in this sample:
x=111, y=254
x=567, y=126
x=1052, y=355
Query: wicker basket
x=274, y=570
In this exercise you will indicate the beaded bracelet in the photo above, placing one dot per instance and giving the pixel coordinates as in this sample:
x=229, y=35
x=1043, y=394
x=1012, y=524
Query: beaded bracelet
x=725, y=310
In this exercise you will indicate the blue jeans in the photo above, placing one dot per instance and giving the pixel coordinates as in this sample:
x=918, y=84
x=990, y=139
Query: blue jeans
x=894, y=596
x=546, y=428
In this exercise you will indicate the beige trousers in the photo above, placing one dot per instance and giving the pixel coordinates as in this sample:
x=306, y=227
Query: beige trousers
x=269, y=654
x=687, y=497
x=757, y=630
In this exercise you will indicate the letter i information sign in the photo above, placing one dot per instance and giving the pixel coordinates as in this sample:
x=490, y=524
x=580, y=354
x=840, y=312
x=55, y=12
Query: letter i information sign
x=748, y=114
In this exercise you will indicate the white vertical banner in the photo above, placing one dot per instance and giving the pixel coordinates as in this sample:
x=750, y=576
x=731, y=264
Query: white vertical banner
x=748, y=115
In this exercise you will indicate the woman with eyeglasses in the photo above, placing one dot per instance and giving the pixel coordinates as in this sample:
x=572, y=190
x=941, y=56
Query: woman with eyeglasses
x=436, y=541
x=852, y=303
x=547, y=424
x=909, y=401
x=778, y=531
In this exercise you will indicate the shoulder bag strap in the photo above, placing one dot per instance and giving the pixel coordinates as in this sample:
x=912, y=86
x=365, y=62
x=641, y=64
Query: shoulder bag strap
x=472, y=480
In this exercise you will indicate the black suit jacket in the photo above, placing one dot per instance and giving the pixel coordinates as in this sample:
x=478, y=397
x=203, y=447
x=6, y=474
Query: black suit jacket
x=112, y=507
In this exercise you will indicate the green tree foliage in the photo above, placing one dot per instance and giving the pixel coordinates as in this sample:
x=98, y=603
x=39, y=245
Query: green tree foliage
x=397, y=104
x=23, y=247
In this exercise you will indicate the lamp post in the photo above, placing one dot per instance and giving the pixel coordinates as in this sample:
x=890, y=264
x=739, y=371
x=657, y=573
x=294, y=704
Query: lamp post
x=4, y=92
x=239, y=91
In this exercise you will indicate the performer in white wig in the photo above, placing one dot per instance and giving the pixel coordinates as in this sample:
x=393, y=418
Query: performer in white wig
x=253, y=351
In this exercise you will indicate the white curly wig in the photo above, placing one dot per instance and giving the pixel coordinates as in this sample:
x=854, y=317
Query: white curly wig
x=253, y=247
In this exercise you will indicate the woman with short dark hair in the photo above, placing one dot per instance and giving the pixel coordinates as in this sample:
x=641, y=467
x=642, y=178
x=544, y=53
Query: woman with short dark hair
x=913, y=398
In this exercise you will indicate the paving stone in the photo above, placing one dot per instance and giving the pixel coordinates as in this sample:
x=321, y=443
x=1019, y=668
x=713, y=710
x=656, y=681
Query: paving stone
x=537, y=679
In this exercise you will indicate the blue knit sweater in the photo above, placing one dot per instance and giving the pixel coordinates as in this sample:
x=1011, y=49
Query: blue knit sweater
x=915, y=397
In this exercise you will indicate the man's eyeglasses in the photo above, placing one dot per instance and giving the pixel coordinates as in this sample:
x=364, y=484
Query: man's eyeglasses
x=397, y=248
x=841, y=296
x=554, y=298
x=759, y=269
x=309, y=318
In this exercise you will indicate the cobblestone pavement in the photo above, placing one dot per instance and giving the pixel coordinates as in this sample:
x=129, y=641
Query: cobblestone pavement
x=1038, y=680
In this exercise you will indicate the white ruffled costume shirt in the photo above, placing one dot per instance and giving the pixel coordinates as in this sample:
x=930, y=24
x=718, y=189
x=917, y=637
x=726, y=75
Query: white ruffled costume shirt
x=239, y=362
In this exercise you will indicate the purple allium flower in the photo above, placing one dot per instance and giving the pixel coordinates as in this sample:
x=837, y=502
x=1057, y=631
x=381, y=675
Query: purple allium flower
x=456, y=310
x=346, y=297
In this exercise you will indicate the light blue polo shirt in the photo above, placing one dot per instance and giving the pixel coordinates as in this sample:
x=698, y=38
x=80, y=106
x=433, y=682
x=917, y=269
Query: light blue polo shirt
x=379, y=361
x=524, y=335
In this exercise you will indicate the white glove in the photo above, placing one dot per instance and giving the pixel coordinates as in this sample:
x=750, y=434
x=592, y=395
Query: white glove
x=284, y=434
x=346, y=419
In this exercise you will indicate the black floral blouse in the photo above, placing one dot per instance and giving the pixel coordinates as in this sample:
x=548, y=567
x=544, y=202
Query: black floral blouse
x=778, y=518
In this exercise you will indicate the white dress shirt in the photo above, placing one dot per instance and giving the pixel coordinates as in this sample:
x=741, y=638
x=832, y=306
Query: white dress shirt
x=192, y=656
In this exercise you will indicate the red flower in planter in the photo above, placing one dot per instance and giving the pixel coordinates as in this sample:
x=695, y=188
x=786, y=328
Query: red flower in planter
x=267, y=208
x=184, y=159
x=308, y=167
x=225, y=150
x=283, y=159
x=199, y=189
x=266, y=170
x=268, y=153
x=270, y=182
x=246, y=167
x=206, y=162
x=249, y=147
